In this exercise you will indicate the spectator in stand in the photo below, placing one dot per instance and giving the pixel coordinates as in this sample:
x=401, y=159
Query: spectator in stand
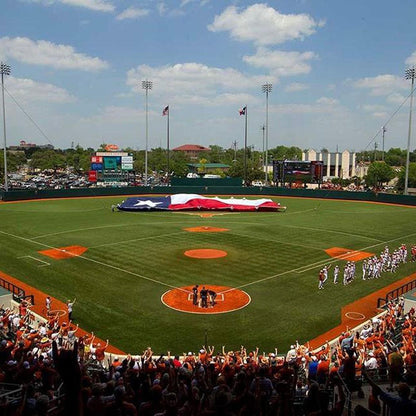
x=373, y=402
x=312, y=368
x=348, y=372
x=370, y=363
x=99, y=351
x=400, y=405
x=395, y=361
x=261, y=389
x=322, y=370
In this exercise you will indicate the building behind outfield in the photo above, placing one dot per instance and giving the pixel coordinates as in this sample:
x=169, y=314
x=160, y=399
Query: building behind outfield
x=337, y=164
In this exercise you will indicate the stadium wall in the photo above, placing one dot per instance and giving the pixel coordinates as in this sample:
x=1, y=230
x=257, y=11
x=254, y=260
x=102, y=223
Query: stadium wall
x=208, y=189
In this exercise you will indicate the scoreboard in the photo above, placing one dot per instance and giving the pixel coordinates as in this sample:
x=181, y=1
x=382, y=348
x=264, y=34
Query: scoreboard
x=295, y=171
x=111, y=166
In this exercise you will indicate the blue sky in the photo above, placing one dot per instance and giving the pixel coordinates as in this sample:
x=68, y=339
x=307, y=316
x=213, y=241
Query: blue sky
x=337, y=70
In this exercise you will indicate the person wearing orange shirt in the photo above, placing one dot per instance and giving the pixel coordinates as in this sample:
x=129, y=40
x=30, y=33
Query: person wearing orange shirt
x=322, y=372
x=100, y=351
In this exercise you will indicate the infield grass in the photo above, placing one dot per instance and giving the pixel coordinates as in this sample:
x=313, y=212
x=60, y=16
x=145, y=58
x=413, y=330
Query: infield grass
x=133, y=258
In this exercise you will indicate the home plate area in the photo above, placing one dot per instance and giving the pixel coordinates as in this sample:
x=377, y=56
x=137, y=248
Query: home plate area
x=219, y=298
x=227, y=299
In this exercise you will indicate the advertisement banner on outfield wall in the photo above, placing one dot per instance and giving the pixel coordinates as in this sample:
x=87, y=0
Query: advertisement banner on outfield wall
x=96, y=159
x=92, y=176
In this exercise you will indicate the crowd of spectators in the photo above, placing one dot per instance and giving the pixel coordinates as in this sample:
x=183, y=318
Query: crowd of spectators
x=74, y=376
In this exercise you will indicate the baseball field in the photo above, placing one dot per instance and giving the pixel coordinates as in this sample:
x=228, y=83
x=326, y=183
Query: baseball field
x=132, y=273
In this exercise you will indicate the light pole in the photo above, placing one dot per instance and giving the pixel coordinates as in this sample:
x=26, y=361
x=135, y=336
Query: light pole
x=5, y=70
x=267, y=88
x=263, y=128
x=146, y=85
x=409, y=74
x=384, y=132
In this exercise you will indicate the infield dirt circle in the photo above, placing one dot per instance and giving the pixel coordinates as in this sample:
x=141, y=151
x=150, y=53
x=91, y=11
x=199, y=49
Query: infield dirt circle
x=228, y=300
x=205, y=253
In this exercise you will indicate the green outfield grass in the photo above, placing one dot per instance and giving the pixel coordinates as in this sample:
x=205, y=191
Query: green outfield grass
x=133, y=258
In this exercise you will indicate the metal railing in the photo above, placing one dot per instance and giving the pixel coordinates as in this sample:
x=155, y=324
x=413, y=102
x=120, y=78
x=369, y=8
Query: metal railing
x=394, y=294
x=18, y=293
x=11, y=393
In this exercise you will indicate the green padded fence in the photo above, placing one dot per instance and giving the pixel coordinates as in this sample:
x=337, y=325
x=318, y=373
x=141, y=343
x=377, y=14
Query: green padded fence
x=211, y=187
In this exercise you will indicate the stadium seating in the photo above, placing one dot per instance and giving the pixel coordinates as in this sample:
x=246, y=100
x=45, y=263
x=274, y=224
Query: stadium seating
x=41, y=370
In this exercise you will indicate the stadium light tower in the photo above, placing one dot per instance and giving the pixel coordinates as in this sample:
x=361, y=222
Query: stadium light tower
x=409, y=74
x=263, y=128
x=267, y=88
x=146, y=85
x=4, y=70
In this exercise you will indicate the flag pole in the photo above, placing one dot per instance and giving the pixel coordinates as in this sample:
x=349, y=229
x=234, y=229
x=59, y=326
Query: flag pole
x=245, y=147
x=167, y=140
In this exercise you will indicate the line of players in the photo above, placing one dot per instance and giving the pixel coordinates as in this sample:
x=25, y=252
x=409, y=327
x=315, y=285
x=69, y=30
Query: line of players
x=371, y=268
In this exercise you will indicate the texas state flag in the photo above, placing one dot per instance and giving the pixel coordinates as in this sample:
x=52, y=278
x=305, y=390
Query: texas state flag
x=178, y=202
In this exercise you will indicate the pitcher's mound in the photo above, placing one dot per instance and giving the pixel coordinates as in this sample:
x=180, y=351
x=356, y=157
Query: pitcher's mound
x=206, y=230
x=205, y=253
x=347, y=254
x=228, y=299
x=64, y=252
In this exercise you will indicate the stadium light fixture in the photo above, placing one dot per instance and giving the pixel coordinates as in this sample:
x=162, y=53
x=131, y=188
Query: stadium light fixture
x=263, y=128
x=409, y=74
x=267, y=89
x=146, y=85
x=4, y=70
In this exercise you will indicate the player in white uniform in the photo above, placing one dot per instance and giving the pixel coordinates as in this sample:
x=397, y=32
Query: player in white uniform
x=336, y=273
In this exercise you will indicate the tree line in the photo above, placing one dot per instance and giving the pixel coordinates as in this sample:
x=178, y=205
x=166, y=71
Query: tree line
x=78, y=159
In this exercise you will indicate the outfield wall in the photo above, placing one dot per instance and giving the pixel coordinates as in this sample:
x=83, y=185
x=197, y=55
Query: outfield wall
x=208, y=189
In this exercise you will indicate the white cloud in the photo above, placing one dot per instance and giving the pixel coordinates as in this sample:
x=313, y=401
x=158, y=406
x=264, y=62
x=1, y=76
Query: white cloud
x=114, y=114
x=327, y=101
x=295, y=87
x=381, y=84
x=411, y=60
x=281, y=63
x=264, y=25
x=96, y=5
x=185, y=2
x=373, y=108
x=381, y=115
x=46, y=53
x=396, y=98
x=323, y=105
x=132, y=13
x=27, y=90
x=193, y=80
x=161, y=8
x=238, y=100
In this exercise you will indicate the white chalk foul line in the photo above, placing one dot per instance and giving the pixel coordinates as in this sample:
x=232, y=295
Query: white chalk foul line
x=95, y=261
x=298, y=269
x=45, y=263
x=138, y=239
